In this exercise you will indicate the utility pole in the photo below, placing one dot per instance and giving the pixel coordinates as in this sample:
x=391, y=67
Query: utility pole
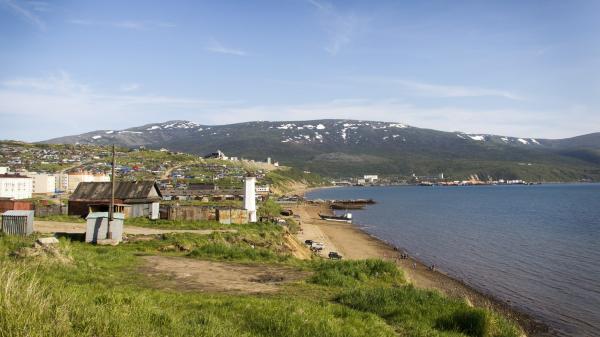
x=112, y=195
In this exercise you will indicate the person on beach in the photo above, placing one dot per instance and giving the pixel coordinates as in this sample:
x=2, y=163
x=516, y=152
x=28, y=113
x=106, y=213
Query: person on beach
x=414, y=265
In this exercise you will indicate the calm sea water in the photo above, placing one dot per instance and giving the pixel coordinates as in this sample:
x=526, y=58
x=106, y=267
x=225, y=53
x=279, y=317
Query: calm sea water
x=535, y=247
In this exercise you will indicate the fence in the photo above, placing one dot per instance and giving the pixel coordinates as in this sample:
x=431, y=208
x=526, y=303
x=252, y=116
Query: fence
x=190, y=213
x=46, y=210
x=17, y=222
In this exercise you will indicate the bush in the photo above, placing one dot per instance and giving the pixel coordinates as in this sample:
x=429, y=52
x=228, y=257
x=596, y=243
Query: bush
x=470, y=321
x=427, y=313
x=345, y=273
x=223, y=251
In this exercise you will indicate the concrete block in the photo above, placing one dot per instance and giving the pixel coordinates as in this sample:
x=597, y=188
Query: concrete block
x=47, y=241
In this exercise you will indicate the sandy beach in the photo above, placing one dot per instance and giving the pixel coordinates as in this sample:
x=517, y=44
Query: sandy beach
x=353, y=243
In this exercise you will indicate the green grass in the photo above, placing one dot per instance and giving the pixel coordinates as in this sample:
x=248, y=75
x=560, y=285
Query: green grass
x=350, y=273
x=174, y=224
x=221, y=251
x=426, y=313
x=62, y=218
x=100, y=291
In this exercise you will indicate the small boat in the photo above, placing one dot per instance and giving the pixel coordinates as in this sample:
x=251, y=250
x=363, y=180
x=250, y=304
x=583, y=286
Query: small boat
x=346, y=217
x=347, y=206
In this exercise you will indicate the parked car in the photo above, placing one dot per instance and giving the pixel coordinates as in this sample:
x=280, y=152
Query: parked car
x=316, y=246
x=308, y=242
x=335, y=256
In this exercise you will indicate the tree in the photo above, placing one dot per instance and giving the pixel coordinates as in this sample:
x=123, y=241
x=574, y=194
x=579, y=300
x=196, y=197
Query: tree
x=269, y=209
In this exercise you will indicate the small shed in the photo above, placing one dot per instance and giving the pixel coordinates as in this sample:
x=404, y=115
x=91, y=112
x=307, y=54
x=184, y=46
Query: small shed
x=142, y=196
x=97, y=227
x=17, y=222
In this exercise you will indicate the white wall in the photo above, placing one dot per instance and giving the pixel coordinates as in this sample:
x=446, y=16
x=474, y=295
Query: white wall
x=43, y=183
x=16, y=187
x=76, y=178
x=250, y=198
x=61, y=182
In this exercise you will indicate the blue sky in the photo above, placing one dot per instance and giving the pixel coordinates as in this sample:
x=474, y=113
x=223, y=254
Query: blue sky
x=515, y=68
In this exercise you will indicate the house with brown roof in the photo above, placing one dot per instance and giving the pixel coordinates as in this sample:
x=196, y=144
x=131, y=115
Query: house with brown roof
x=133, y=198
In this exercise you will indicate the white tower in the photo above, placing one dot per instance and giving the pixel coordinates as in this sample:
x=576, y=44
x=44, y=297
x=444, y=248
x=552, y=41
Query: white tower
x=250, y=198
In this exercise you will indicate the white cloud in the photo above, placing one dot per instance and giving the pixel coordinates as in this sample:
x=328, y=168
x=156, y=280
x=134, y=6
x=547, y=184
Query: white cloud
x=22, y=10
x=437, y=90
x=125, y=24
x=65, y=106
x=215, y=46
x=130, y=87
x=340, y=27
x=418, y=88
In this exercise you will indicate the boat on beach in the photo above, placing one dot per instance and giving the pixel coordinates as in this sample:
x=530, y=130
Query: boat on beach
x=346, y=217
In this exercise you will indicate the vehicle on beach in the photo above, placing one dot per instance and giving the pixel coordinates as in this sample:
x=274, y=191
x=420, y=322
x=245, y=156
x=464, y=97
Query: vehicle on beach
x=308, y=242
x=335, y=256
x=346, y=217
x=317, y=246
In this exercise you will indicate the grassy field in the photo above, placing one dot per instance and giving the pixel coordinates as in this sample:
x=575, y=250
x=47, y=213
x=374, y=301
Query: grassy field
x=89, y=290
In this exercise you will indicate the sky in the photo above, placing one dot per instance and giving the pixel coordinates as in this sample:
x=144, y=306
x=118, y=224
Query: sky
x=516, y=68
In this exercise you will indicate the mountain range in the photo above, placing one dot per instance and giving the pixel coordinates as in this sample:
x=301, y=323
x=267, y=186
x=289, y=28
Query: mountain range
x=338, y=148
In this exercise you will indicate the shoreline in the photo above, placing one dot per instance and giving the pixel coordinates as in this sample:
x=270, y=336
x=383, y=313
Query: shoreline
x=353, y=242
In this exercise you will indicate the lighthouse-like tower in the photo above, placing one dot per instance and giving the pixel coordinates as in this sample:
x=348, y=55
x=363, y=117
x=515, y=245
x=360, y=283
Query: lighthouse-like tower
x=250, y=198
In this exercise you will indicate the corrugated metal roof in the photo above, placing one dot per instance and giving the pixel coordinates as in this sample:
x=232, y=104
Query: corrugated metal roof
x=96, y=215
x=139, y=190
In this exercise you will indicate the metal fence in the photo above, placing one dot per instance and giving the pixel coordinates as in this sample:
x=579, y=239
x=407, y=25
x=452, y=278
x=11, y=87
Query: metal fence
x=15, y=225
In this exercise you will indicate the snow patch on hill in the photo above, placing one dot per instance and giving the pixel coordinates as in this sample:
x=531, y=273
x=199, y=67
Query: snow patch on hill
x=478, y=138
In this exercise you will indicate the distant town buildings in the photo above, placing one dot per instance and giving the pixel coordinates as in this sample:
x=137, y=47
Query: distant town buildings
x=84, y=177
x=43, y=183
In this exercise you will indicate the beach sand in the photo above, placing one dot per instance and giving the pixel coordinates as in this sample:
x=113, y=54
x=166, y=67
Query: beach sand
x=353, y=243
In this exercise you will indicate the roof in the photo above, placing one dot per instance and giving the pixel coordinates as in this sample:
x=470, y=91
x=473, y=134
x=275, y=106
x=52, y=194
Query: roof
x=124, y=190
x=96, y=215
x=13, y=175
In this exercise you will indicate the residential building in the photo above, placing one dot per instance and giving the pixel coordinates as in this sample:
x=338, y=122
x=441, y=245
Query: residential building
x=263, y=189
x=15, y=186
x=43, y=183
x=84, y=177
x=133, y=198
x=370, y=178
x=61, y=182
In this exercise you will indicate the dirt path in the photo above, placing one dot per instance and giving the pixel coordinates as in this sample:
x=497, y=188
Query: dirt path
x=69, y=227
x=210, y=276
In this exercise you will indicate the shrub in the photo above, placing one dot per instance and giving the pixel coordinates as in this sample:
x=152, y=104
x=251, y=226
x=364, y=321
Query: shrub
x=344, y=273
x=426, y=313
x=470, y=321
x=227, y=252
